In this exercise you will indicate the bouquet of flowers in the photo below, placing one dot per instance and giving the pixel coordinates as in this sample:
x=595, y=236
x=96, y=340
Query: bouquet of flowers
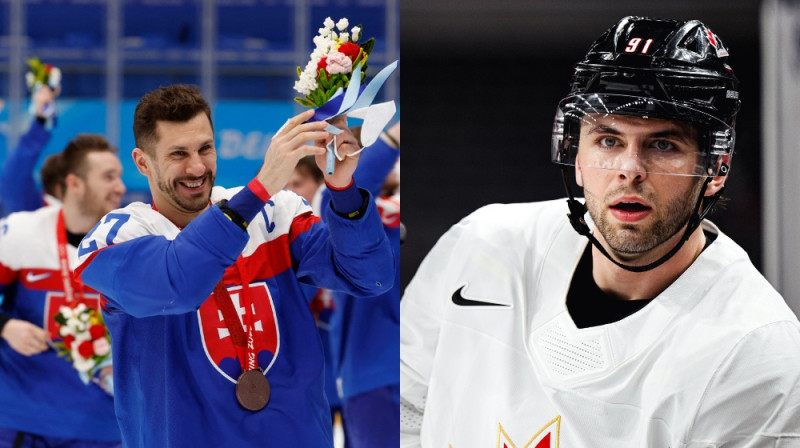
x=84, y=342
x=41, y=101
x=41, y=74
x=332, y=62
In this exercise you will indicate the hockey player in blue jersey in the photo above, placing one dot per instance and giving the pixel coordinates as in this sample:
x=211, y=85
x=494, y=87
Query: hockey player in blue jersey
x=214, y=342
x=43, y=401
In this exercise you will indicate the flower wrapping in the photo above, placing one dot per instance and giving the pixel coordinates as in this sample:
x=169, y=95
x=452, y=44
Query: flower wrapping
x=85, y=341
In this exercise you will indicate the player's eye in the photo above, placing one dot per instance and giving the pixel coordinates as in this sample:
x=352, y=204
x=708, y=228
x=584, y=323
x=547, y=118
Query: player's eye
x=664, y=145
x=608, y=141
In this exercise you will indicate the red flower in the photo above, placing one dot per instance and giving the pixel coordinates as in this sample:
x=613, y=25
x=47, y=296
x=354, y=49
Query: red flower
x=350, y=49
x=323, y=65
x=86, y=349
x=68, y=339
x=97, y=331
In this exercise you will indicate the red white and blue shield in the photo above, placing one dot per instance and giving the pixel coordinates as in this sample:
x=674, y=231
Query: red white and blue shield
x=217, y=340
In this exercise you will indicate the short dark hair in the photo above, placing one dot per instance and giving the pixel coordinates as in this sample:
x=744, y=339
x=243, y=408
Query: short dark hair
x=73, y=158
x=53, y=176
x=177, y=103
x=308, y=166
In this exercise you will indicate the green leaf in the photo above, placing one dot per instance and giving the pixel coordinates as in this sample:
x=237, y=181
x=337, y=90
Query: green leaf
x=299, y=71
x=305, y=102
x=368, y=45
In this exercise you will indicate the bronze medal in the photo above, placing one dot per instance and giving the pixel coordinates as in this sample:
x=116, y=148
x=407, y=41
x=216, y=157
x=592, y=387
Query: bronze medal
x=252, y=390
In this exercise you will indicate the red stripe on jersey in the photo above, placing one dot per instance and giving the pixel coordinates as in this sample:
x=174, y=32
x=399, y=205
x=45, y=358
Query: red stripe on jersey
x=269, y=259
x=7, y=275
x=45, y=280
x=79, y=271
x=272, y=257
x=302, y=223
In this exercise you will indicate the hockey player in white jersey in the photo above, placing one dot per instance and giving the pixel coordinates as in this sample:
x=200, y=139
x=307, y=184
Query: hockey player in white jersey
x=639, y=324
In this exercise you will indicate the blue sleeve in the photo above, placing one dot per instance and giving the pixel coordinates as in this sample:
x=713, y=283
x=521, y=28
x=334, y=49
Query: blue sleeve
x=363, y=264
x=375, y=163
x=17, y=188
x=151, y=275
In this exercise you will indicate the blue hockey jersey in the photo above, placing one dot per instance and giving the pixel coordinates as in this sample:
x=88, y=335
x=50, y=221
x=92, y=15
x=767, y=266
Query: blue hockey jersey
x=175, y=362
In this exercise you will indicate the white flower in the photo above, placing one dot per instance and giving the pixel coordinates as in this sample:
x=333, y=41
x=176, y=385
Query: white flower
x=55, y=77
x=79, y=362
x=80, y=308
x=73, y=322
x=65, y=311
x=30, y=79
x=84, y=317
x=342, y=24
x=356, y=31
x=63, y=331
x=344, y=37
x=328, y=23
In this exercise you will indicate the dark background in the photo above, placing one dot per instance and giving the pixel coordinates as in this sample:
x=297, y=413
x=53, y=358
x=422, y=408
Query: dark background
x=481, y=80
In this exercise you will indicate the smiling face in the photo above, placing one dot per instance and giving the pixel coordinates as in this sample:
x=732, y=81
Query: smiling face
x=181, y=167
x=634, y=172
x=100, y=188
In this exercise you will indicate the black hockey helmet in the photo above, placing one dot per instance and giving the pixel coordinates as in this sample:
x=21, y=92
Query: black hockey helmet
x=655, y=68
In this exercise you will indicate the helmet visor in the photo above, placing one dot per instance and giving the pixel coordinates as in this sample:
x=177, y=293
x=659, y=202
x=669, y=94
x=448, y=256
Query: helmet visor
x=629, y=133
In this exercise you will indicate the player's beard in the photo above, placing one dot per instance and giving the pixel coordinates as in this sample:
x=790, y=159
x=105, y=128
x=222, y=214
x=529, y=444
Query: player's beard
x=92, y=204
x=192, y=204
x=634, y=238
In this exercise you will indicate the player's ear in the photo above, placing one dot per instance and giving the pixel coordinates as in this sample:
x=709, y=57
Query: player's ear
x=141, y=161
x=72, y=182
x=578, y=173
x=718, y=182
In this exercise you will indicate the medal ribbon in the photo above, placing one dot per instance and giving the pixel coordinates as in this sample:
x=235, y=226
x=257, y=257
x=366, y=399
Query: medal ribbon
x=244, y=345
x=70, y=284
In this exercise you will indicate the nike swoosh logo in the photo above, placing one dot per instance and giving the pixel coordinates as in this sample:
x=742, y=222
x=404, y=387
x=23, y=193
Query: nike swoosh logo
x=459, y=300
x=32, y=278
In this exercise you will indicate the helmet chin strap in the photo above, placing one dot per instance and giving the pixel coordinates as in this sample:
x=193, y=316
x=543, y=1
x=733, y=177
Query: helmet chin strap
x=577, y=209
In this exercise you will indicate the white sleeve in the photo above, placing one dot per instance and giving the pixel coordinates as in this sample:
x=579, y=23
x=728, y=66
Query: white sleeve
x=420, y=320
x=753, y=399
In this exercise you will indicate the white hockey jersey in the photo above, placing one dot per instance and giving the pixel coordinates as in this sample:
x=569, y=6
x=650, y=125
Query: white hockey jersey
x=491, y=358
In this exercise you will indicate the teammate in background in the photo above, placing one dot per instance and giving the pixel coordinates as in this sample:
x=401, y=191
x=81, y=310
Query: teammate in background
x=365, y=334
x=43, y=402
x=211, y=331
x=18, y=192
x=308, y=182
x=516, y=331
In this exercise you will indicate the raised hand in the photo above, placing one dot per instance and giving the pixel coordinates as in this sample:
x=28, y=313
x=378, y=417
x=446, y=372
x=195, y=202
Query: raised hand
x=346, y=146
x=288, y=146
